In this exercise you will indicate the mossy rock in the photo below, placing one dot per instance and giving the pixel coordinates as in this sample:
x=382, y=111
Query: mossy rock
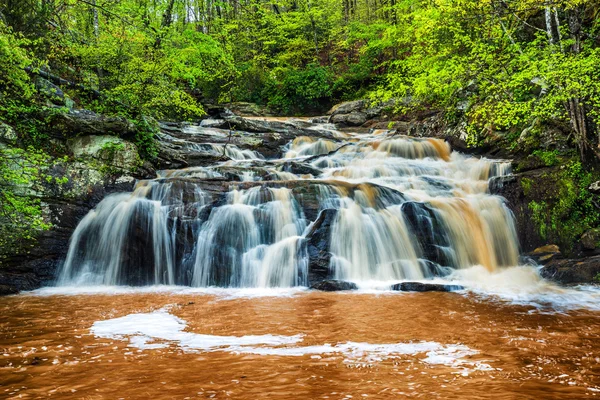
x=109, y=151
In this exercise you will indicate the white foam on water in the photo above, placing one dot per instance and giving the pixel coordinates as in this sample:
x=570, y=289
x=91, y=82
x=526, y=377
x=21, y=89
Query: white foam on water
x=524, y=285
x=161, y=329
x=145, y=329
x=222, y=293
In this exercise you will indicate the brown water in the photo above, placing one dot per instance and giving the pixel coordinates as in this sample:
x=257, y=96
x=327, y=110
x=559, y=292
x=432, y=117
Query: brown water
x=47, y=349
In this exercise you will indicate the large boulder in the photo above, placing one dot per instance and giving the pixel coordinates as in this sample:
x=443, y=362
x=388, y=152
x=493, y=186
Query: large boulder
x=358, y=112
x=110, y=151
x=85, y=122
x=245, y=109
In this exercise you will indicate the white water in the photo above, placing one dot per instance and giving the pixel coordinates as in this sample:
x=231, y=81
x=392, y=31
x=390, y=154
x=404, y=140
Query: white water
x=407, y=209
x=161, y=329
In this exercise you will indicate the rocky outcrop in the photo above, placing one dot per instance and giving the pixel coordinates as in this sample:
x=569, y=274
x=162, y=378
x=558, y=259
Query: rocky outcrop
x=85, y=122
x=358, y=112
x=425, y=287
x=91, y=166
x=63, y=206
x=572, y=271
x=245, y=109
x=518, y=197
x=109, y=151
x=333, y=285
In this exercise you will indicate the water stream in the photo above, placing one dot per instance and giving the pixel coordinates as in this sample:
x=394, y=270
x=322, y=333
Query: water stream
x=405, y=208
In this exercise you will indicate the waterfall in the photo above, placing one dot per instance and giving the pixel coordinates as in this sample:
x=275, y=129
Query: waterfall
x=403, y=208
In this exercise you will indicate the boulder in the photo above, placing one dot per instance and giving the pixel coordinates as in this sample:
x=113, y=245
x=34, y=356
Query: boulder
x=8, y=134
x=358, y=112
x=333, y=285
x=544, y=254
x=425, y=287
x=591, y=239
x=572, y=271
x=109, y=150
x=85, y=122
x=347, y=107
x=245, y=109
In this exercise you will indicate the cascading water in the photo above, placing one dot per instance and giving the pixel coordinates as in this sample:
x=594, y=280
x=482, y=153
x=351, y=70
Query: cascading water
x=402, y=208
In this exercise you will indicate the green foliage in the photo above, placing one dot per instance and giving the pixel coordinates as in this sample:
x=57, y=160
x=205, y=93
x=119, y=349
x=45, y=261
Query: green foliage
x=549, y=158
x=300, y=90
x=597, y=278
x=144, y=138
x=526, y=185
x=23, y=175
x=572, y=212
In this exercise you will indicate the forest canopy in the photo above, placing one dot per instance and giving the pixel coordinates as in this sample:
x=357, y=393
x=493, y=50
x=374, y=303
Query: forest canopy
x=507, y=62
x=507, y=69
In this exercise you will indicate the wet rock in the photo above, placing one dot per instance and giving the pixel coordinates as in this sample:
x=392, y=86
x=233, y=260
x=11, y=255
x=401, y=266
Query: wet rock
x=544, y=254
x=425, y=287
x=85, y=122
x=430, y=234
x=300, y=168
x=568, y=271
x=591, y=239
x=333, y=285
x=317, y=246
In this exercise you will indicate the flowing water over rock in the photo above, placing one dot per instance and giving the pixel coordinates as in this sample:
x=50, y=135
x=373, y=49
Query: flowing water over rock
x=362, y=207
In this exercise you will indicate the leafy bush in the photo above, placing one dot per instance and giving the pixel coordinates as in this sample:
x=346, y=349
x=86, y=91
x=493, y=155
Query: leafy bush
x=303, y=90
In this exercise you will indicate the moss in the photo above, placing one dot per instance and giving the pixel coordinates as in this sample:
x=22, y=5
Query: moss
x=563, y=208
x=526, y=185
x=549, y=158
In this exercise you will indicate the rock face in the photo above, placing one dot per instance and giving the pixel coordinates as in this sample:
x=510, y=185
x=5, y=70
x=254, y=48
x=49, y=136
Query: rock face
x=85, y=122
x=425, y=287
x=357, y=113
x=109, y=150
x=569, y=272
x=97, y=165
x=518, y=199
x=64, y=208
x=333, y=286
x=317, y=246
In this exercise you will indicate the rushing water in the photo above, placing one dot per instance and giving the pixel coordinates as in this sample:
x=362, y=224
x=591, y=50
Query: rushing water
x=405, y=208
